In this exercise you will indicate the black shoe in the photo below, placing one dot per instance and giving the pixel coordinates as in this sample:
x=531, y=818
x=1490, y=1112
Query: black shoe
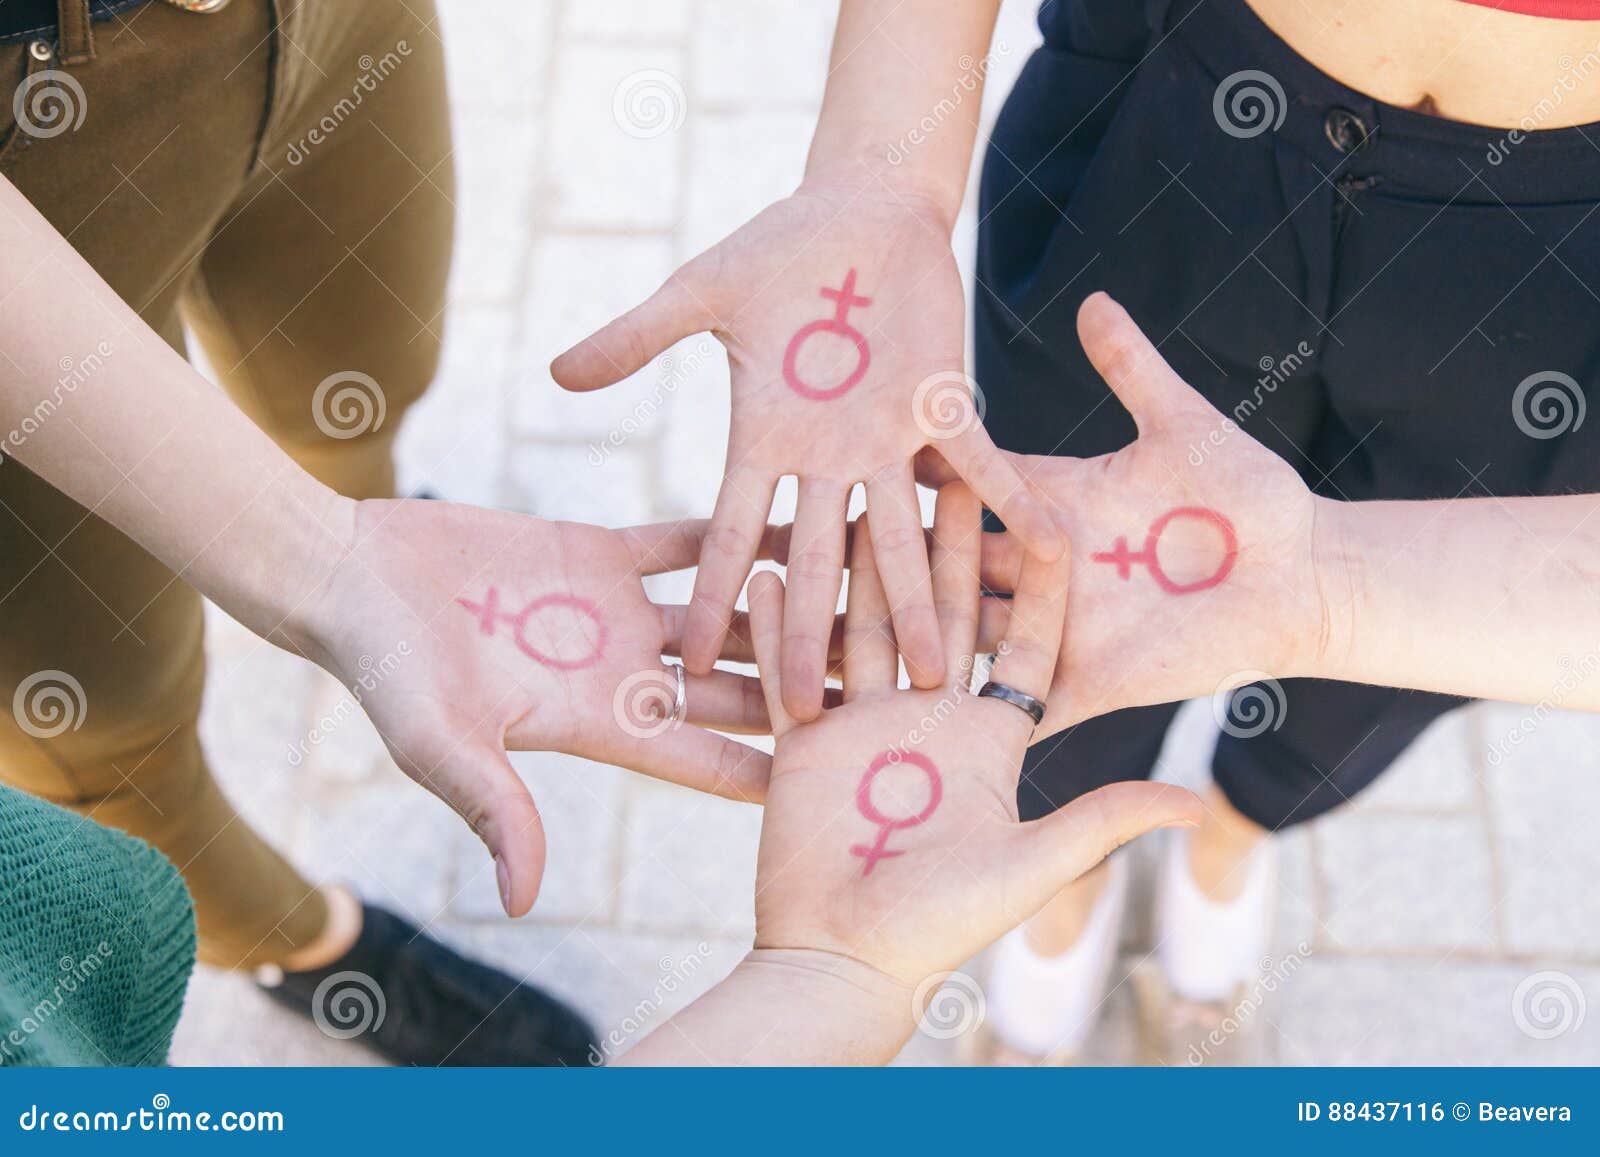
x=418, y=1003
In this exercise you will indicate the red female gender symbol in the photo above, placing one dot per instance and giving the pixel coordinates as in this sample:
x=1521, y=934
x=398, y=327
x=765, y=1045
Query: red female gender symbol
x=846, y=298
x=489, y=615
x=1126, y=559
x=864, y=804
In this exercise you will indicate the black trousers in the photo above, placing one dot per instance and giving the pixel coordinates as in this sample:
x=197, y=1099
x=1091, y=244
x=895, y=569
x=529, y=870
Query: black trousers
x=1373, y=283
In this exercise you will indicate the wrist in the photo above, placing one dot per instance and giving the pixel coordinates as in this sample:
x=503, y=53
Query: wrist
x=863, y=1014
x=317, y=544
x=1339, y=563
x=868, y=172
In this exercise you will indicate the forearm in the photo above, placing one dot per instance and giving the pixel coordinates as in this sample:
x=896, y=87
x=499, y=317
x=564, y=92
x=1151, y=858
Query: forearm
x=787, y=1007
x=1495, y=598
x=95, y=403
x=904, y=91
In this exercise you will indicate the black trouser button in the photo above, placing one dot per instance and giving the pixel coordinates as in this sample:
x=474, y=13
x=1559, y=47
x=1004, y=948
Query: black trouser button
x=1345, y=131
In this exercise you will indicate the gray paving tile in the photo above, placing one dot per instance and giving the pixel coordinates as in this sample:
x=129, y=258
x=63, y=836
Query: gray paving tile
x=1406, y=882
x=690, y=863
x=1396, y=1012
x=1542, y=792
x=615, y=132
x=579, y=283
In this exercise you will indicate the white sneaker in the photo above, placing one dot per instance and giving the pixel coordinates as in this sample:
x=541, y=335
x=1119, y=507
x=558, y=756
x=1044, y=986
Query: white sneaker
x=1046, y=1006
x=1208, y=949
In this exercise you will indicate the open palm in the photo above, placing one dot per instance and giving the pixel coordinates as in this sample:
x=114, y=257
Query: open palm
x=842, y=314
x=465, y=632
x=890, y=836
x=1193, y=545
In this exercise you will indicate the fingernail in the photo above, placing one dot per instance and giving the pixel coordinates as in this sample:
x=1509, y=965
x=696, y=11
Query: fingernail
x=1181, y=824
x=503, y=878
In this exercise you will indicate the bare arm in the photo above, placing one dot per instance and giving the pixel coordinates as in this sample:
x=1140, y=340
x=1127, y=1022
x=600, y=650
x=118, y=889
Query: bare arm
x=1486, y=597
x=95, y=403
x=419, y=593
x=905, y=83
x=857, y=261
x=855, y=934
x=1495, y=598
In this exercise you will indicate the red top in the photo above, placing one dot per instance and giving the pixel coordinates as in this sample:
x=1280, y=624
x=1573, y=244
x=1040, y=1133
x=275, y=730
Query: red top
x=1554, y=9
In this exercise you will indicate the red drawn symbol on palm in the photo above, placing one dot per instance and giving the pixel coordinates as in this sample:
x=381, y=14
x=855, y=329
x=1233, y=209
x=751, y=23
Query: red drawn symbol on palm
x=589, y=633
x=847, y=299
x=876, y=850
x=1125, y=559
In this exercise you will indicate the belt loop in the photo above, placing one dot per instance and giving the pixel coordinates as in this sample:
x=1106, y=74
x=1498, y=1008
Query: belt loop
x=76, y=30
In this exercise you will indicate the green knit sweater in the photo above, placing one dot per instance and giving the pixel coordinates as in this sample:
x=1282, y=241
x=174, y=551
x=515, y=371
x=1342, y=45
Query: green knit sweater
x=96, y=941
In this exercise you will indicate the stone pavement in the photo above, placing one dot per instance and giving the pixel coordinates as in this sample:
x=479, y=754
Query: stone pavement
x=1449, y=916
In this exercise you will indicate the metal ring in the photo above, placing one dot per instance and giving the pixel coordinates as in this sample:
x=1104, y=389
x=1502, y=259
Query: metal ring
x=1021, y=700
x=680, y=701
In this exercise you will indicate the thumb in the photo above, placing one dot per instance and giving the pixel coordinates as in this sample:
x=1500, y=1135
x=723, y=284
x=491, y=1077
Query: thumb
x=486, y=791
x=627, y=344
x=1130, y=363
x=1067, y=843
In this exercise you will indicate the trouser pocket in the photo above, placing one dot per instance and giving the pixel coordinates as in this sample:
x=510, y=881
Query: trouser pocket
x=43, y=100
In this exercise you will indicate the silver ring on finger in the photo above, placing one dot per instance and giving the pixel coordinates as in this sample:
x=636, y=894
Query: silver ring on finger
x=1021, y=700
x=680, y=700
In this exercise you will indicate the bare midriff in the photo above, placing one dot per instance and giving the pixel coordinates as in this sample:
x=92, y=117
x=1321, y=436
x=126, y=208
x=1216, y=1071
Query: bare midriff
x=1448, y=59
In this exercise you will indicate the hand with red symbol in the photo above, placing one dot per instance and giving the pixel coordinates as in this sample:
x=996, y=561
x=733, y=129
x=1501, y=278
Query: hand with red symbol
x=1196, y=547
x=502, y=631
x=890, y=847
x=842, y=313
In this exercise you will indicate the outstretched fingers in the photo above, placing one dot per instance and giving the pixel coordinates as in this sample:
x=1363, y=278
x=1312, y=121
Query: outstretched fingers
x=766, y=634
x=1026, y=660
x=1120, y=352
x=957, y=543
x=901, y=550
x=994, y=477
x=626, y=345
x=816, y=571
x=871, y=662
x=703, y=760
x=479, y=783
x=1062, y=846
x=726, y=556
